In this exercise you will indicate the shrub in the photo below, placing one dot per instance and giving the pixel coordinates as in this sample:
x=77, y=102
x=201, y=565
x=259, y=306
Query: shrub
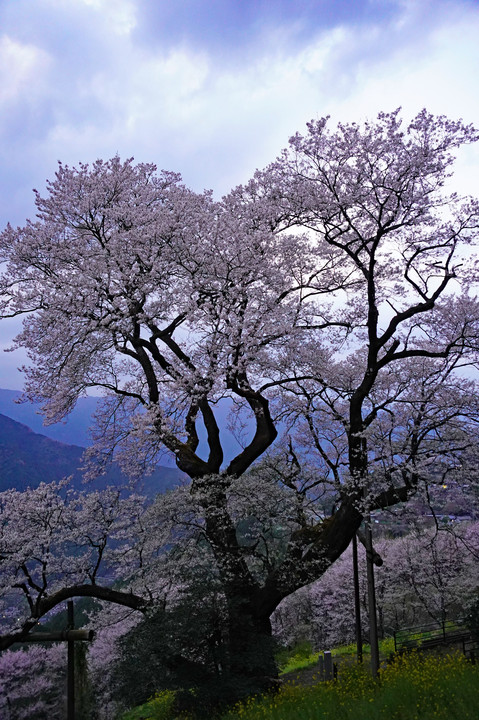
x=412, y=687
x=160, y=707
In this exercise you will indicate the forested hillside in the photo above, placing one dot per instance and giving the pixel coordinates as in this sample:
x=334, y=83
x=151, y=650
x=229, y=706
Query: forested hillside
x=73, y=431
x=28, y=458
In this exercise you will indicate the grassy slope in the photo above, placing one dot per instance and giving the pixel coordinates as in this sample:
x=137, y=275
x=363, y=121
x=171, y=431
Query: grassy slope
x=414, y=687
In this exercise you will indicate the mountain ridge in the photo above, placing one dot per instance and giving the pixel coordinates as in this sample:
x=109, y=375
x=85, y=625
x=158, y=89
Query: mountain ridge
x=74, y=429
x=28, y=458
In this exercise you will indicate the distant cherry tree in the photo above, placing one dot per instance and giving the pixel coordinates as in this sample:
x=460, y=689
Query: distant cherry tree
x=32, y=683
x=426, y=577
x=320, y=295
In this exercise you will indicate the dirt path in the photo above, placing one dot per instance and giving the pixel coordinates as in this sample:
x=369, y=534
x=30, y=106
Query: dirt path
x=307, y=676
x=310, y=675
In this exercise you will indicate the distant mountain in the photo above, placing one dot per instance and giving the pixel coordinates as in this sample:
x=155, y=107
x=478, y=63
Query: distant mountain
x=75, y=429
x=28, y=458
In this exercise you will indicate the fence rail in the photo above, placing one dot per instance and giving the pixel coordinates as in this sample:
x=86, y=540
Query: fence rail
x=470, y=648
x=435, y=634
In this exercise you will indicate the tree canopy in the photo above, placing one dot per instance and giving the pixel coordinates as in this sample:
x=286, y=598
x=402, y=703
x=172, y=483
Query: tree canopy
x=330, y=301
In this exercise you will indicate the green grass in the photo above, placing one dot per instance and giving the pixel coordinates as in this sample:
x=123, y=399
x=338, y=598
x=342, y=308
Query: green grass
x=412, y=688
x=296, y=658
x=302, y=655
x=158, y=708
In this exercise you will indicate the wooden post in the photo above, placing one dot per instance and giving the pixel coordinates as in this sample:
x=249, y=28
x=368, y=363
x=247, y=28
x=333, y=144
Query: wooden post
x=70, y=664
x=61, y=636
x=70, y=636
x=357, y=602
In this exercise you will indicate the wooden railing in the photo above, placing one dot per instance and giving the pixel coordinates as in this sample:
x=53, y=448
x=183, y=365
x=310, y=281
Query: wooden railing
x=436, y=634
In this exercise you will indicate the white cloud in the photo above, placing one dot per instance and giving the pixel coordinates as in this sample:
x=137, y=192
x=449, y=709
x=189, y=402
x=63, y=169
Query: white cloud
x=119, y=16
x=21, y=66
x=217, y=123
x=440, y=78
x=79, y=84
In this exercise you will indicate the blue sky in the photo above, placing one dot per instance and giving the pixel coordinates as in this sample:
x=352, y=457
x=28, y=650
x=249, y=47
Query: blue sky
x=214, y=88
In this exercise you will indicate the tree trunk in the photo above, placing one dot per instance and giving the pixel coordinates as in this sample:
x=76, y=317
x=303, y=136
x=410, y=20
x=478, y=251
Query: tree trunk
x=248, y=666
x=251, y=664
x=251, y=643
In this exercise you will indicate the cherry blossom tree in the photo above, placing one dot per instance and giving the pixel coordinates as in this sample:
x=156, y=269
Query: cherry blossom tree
x=378, y=382
x=426, y=576
x=54, y=546
x=405, y=313
x=138, y=287
x=32, y=683
x=318, y=295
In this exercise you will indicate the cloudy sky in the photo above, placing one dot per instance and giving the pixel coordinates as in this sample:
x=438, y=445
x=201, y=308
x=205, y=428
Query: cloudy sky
x=214, y=88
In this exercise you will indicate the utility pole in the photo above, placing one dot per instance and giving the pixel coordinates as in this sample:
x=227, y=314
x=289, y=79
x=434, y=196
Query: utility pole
x=373, y=624
x=70, y=664
x=357, y=602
